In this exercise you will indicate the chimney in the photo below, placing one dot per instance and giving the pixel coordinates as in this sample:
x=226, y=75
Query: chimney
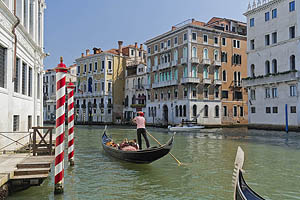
x=95, y=50
x=141, y=47
x=87, y=52
x=136, y=46
x=82, y=55
x=193, y=20
x=173, y=28
x=120, y=47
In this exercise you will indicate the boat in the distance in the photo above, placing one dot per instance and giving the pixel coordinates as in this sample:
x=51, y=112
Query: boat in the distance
x=185, y=127
x=241, y=190
x=144, y=156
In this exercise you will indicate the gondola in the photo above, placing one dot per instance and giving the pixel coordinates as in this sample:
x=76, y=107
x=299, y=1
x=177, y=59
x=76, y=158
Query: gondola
x=145, y=156
x=241, y=190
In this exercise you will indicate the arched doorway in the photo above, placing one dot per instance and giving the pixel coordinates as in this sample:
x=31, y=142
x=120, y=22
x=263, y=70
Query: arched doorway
x=165, y=113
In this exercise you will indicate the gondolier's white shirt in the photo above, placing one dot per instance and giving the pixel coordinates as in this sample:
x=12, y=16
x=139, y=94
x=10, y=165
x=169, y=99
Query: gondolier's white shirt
x=140, y=122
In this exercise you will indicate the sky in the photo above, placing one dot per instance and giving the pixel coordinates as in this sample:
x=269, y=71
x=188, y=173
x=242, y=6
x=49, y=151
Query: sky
x=72, y=26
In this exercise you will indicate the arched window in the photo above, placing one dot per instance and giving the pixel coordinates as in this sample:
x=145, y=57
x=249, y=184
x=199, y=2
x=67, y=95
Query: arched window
x=180, y=111
x=292, y=62
x=139, y=83
x=274, y=65
x=252, y=73
x=216, y=55
x=184, y=110
x=194, y=52
x=194, y=71
x=224, y=75
x=195, y=110
x=90, y=85
x=205, y=54
x=217, y=111
x=133, y=99
x=206, y=111
x=176, y=111
x=267, y=66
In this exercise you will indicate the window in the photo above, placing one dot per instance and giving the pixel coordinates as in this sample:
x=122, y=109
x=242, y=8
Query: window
x=216, y=41
x=24, y=78
x=217, y=111
x=292, y=62
x=236, y=59
x=149, y=50
x=29, y=122
x=216, y=55
x=274, y=13
x=184, y=111
x=17, y=81
x=156, y=96
x=194, y=36
x=224, y=94
x=292, y=6
x=227, y=27
x=224, y=41
x=251, y=22
x=241, y=111
x=274, y=37
x=267, y=40
x=235, y=114
x=169, y=43
x=194, y=110
x=292, y=32
x=225, y=112
x=109, y=65
x=96, y=66
x=194, y=71
x=217, y=92
x=84, y=68
x=185, y=71
x=267, y=16
x=205, y=39
x=252, y=95
x=194, y=52
x=185, y=36
x=132, y=52
x=95, y=86
x=102, y=86
x=194, y=92
x=103, y=66
x=185, y=92
x=175, y=40
x=236, y=44
x=224, y=78
x=185, y=52
x=175, y=93
x=169, y=94
x=161, y=45
x=293, y=90
x=267, y=93
x=253, y=110
x=30, y=82
x=274, y=65
x=293, y=109
x=267, y=67
x=274, y=93
x=2, y=66
x=224, y=57
x=156, y=48
x=275, y=109
x=91, y=67
x=16, y=122
x=237, y=96
x=205, y=72
x=206, y=111
x=176, y=111
x=205, y=54
x=205, y=92
x=252, y=44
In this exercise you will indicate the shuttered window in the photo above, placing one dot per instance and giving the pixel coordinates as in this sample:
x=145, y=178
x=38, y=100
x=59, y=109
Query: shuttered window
x=16, y=122
x=2, y=66
x=17, y=80
x=30, y=82
x=24, y=76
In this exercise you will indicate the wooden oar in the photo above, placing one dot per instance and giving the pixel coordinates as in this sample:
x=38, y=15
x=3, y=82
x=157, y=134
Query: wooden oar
x=179, y=163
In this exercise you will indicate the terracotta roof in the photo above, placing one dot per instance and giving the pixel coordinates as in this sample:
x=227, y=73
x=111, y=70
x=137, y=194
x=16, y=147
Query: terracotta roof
x=198, y=23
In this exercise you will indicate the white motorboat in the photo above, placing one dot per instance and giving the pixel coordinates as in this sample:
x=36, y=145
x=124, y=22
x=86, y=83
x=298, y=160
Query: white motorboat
x=185, y=127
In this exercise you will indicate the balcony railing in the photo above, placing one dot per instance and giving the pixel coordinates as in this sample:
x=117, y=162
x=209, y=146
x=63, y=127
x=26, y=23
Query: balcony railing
x=217, y=63
x=174, y=63
x=271, y=78
x=164, y=65
x=207, y=81
x=164, y=84
x=217, y=82
x=183, y=61
x=190, y=80
x=206, y=61
x=195, y=60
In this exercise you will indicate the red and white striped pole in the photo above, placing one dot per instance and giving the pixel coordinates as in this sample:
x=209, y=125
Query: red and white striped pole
x=70, y=90
x=61, y=71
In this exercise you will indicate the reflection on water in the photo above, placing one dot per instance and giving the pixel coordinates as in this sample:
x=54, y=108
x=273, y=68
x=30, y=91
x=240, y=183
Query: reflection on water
x=272, y=167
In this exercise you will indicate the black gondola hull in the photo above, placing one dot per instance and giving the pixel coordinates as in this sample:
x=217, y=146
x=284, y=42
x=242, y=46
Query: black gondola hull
x=142, y=156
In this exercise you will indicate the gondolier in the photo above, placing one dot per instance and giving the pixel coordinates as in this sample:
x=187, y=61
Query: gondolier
x=140, y=122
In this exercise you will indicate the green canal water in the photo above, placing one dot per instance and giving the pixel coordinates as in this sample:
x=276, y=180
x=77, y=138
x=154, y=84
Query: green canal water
x=272, y=166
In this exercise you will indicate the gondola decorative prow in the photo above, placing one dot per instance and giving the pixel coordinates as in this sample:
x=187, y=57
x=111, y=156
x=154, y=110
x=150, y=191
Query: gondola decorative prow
x=238, y=165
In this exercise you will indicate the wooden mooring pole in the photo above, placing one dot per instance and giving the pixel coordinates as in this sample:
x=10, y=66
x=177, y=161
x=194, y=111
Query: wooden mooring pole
x=70, y=90
x=61, y=71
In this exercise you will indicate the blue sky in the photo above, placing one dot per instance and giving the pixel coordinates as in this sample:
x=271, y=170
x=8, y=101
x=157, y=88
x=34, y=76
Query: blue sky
x=72, y=26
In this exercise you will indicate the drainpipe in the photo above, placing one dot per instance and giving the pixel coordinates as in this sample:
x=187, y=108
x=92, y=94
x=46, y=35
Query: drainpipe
x=16, y=40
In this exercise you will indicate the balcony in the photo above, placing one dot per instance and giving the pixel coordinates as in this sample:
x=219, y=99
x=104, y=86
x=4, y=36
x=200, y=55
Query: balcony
x=271, y=78
x=154, y=68
x=237, y=84
x=163, y=66
x=217, y=82
x=183, y=61
x=187, y=80
x=206, y=61
x=174, y=63
x=217, y=63
x=147, y=87
x=138, y=105
x=206, y=81
x=195, y=60
x=165, y=84
x=138, y=87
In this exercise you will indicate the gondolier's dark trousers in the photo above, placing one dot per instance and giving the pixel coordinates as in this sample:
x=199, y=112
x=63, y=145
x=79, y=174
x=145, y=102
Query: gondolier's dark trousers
x=142, y=131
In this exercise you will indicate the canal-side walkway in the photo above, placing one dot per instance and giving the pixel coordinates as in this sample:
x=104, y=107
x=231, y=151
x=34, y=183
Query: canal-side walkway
x=18, y=171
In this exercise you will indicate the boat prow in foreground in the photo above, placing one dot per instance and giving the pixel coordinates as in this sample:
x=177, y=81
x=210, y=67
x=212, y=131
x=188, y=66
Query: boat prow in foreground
x=241, y=190
x=145, y=156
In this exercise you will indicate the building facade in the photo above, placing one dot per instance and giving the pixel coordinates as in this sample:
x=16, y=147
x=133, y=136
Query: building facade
x=273, y=62
x=21, y=71
x=49, y=91
x=186, y=73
